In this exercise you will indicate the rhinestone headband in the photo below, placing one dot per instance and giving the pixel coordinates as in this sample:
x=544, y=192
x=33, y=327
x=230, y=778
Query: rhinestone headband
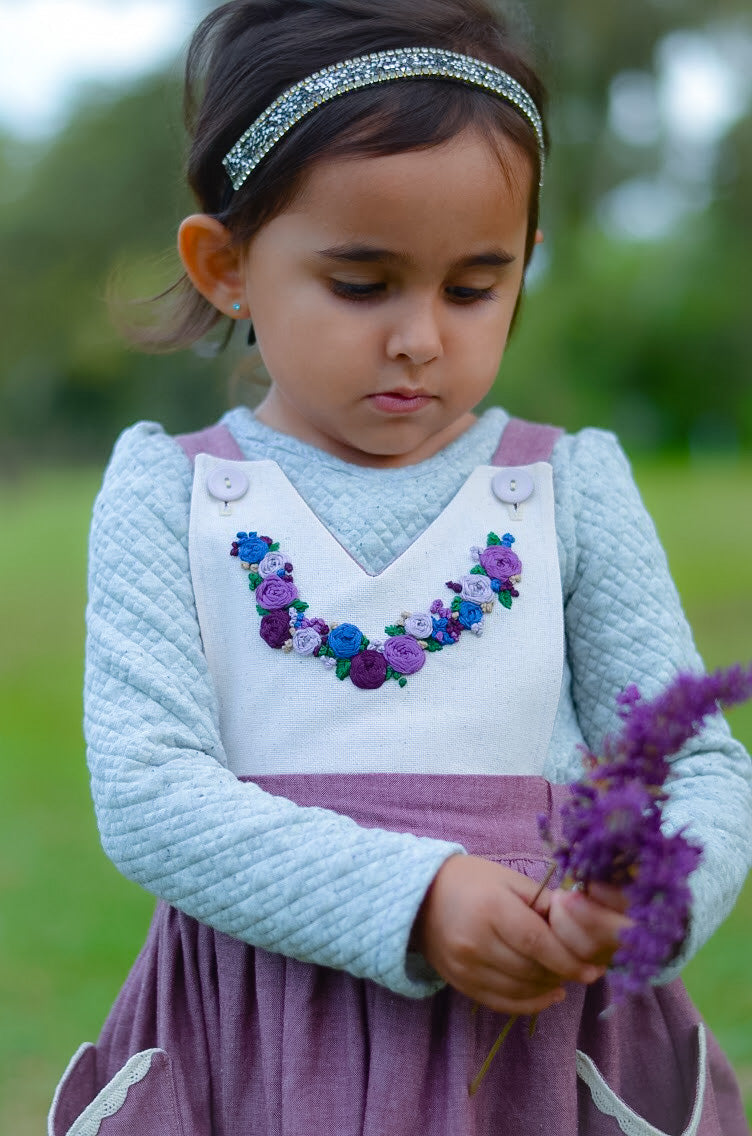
x=368, y=71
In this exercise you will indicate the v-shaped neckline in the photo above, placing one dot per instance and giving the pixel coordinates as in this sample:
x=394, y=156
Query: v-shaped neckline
x=467, y=488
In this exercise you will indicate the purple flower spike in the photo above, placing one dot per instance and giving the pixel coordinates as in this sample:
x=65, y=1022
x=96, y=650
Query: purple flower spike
x=655, y=730
x=611, y=826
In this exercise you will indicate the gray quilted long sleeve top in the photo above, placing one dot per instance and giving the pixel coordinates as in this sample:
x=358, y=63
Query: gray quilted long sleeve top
x=307, y=882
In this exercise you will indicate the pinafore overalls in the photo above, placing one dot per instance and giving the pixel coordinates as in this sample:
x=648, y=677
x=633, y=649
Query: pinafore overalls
x=211, y=1037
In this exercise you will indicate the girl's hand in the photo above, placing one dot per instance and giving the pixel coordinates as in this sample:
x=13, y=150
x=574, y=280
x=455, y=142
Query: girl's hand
x=477, y=930
x=589, y=924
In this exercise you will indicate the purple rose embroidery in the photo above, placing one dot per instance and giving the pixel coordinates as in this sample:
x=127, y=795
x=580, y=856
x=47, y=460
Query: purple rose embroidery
x=368, y=670
x=272, y=563
x=275, y=628
x=273, y=593
x=306, y=641
x=500, y=563
x=345, y=640
x=404, y=655
x=420, y=626
x=477, y=589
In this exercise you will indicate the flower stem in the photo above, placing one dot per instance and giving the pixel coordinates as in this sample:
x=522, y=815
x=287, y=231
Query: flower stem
x=544, y=883
x=476, y=1082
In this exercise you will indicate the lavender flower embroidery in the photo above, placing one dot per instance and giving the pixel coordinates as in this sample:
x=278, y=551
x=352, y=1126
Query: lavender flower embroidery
x=343, y=647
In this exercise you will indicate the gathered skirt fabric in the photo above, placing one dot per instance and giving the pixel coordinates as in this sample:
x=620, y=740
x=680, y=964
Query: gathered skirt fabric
x=211, y=1037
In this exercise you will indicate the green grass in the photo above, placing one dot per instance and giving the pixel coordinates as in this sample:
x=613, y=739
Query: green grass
x=70, y=925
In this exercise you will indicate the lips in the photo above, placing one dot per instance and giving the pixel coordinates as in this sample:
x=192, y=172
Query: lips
x=402, y=400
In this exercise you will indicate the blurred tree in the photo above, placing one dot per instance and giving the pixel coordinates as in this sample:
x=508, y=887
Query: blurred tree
x=107, y=191
x=650, y=337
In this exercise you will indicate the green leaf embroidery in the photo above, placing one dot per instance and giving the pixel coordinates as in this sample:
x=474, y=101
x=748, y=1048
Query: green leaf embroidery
x=478, y=570
x=254, y=580
x=456, y=603
x=492, y=538
x=395, y=629
x=343, y=668
x=261, y=610
x=432, y=645
x=505, y=599
x=274, y=547
x=402, y=682
x=299, y=605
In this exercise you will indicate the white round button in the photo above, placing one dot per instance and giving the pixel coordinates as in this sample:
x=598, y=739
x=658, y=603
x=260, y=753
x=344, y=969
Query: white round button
x=227, y=483
x=513, y=486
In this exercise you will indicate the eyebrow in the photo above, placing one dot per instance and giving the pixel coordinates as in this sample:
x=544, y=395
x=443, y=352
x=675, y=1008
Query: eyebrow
x=367, y=254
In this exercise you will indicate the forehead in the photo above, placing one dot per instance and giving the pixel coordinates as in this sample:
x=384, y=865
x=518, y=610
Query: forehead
x=449, y=198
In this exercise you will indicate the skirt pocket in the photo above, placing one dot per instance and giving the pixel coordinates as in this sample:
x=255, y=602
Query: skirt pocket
x=140, y=1100
x=629, y=1122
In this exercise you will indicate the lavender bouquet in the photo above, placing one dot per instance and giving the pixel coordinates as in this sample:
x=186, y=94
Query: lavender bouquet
x=611, y=826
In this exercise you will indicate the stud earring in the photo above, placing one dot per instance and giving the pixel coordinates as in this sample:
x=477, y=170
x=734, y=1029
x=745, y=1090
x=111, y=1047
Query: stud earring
x=237, y=307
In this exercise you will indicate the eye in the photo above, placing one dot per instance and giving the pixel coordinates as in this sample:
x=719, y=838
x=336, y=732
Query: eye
x=355, y=291
x=462, y=295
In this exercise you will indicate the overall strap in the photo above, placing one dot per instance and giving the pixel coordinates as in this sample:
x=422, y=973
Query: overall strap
x=215, y=440
x=523, y=443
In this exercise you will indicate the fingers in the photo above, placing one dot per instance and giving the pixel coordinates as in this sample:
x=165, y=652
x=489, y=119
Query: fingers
x=477, y=929
x=489, y=988
x=609, y=896
x=587, y=928
x=545, y=955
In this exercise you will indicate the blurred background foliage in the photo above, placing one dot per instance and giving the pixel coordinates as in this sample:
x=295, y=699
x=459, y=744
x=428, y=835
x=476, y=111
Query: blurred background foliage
x=637, y=316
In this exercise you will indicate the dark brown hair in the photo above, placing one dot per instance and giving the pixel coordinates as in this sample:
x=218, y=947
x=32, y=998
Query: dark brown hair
x=247, y=52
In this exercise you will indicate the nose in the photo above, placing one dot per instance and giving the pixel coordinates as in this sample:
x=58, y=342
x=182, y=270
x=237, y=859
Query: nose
x=415, y=334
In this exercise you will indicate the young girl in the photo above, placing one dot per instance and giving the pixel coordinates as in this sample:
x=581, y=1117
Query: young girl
x=337, y=804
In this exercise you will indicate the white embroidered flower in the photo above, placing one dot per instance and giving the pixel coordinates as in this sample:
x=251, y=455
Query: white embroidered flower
x=272, y=563
x=476, y=588
x=420, y=626
x=306, y=640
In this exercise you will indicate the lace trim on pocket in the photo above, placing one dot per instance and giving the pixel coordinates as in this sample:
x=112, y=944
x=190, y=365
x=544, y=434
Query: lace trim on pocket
x=112, y=1097
x=606, y=1100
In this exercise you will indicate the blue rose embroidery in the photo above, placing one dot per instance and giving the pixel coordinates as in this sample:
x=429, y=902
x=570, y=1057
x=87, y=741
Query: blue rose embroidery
x=345, y=640
x=470, y=614
x=251, y=548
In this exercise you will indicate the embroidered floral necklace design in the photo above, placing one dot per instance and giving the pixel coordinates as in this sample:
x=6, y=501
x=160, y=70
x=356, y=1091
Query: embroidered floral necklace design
x=342, y=646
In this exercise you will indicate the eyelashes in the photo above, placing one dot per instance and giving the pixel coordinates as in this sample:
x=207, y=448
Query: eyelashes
x=356, y=291
x=359, y=292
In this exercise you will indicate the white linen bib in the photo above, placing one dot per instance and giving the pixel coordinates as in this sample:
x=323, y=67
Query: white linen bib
x=485, y=705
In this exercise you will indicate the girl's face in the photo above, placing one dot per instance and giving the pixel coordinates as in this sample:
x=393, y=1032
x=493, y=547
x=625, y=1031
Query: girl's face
x=382, y=298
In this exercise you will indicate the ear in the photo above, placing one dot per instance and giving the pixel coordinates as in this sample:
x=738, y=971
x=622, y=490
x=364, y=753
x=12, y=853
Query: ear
x=213, y=265
x=539, y=236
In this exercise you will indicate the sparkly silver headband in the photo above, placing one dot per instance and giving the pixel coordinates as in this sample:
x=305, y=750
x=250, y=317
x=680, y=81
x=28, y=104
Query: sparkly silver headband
x=367, y=71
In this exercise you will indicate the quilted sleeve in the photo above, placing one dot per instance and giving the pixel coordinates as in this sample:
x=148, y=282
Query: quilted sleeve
x=304, y=882
x=624, y=623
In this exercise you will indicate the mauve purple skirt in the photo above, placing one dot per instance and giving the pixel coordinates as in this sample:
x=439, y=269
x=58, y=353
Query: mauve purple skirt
x=256, y=1044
